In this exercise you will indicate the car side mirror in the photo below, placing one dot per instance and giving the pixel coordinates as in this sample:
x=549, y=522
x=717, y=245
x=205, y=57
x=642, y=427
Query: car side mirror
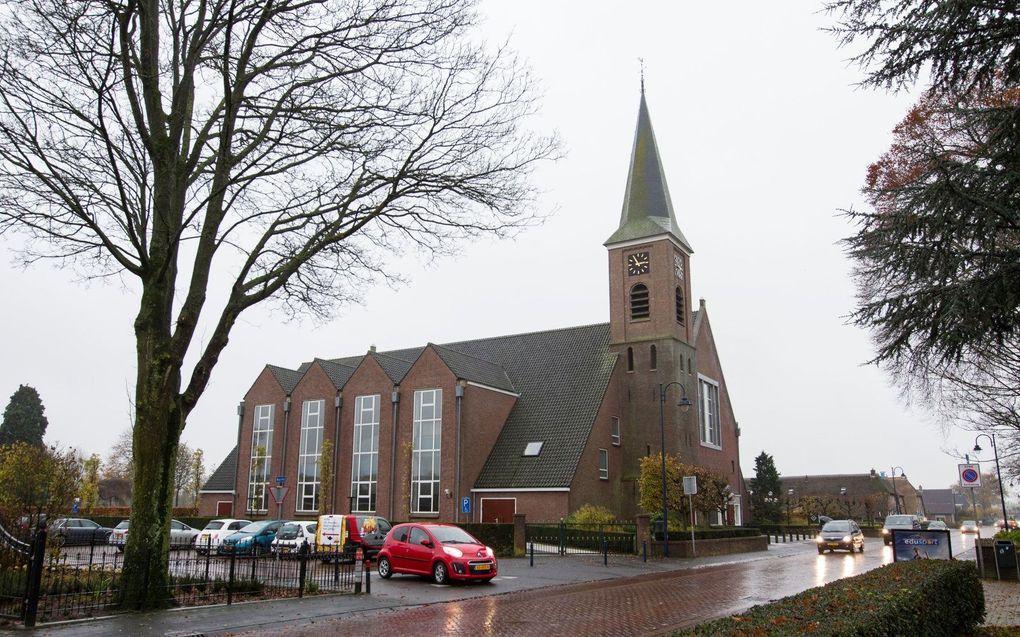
x=426, y=542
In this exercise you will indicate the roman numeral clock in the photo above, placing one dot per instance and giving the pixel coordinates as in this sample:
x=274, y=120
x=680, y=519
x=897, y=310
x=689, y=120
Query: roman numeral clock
x=638, y=263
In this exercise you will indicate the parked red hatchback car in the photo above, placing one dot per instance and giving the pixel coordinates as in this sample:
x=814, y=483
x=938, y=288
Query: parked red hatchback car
x=440, y=551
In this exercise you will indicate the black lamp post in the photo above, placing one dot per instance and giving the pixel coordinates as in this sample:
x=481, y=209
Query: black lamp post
x=998, y=474
x=846, y=501
x=789, y=496
x=896, y=496
x=685, y=403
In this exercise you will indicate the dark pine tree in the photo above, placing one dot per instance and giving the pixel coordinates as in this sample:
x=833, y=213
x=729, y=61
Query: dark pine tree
x=24, y=420
x=765, y=490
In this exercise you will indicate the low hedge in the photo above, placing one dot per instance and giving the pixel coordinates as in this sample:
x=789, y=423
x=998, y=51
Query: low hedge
x=498, y=537
x=935, y=598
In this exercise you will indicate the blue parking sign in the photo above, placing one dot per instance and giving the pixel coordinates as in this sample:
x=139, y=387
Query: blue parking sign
x=465, y=505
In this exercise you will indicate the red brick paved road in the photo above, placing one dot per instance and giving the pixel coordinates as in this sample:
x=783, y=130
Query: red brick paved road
x=650, y=604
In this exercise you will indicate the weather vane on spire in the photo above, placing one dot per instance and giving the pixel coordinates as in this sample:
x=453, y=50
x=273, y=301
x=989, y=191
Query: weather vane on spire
x=641, y=62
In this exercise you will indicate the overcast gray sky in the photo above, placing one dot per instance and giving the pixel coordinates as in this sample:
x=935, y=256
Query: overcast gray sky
x=764, y=138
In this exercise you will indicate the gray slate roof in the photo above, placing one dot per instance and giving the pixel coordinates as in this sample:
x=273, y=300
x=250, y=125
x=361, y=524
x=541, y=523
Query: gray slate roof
x=288, y=378
x=475, y=369
x=562, y=376
x=942, y=501
x=223, y=478
x=337, y=372
x=647, y=207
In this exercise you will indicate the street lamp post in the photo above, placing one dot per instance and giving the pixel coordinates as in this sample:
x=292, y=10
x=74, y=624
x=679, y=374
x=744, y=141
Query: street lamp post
x=789, y=496
x=684, y=403
x=896, y=495
x=846, y=500
x=998, y=474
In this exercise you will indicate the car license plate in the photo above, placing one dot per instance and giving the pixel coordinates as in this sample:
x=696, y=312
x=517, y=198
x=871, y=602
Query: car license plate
x=833, y=544
x=482, y=567
x=285, y=549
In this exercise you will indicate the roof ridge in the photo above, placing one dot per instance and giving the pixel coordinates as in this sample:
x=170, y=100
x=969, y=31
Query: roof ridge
x=535, y=333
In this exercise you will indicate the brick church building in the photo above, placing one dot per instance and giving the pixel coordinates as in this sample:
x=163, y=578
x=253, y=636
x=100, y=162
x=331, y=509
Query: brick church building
x=538, y=423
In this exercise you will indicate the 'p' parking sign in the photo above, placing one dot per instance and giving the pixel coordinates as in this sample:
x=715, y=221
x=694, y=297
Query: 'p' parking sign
x=970, y=475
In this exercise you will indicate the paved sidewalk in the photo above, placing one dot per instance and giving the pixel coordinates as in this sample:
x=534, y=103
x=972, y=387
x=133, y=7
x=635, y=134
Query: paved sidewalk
x=1002, y=603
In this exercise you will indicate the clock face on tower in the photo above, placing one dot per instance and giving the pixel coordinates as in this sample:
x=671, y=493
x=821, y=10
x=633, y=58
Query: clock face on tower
x=678, y=266
x=638, y=263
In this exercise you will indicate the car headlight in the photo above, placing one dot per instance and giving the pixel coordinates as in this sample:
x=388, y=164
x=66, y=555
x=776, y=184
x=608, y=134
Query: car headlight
x=885, y=531
x=846, y=538
x=489, y=552
x=819, y=539
x=244, y=540
x=449, y=550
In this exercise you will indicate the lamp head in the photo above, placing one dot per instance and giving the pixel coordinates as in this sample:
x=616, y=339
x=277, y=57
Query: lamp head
x=684, y=404
x=977, y=447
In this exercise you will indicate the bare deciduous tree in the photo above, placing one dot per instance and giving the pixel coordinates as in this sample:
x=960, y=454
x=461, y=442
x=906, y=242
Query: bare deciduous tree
x=222, y=153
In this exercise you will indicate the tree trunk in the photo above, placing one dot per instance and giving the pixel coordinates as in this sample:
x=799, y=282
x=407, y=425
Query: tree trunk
x=158, y=425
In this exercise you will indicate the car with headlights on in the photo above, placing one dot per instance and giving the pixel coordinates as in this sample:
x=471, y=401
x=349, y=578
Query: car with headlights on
x=443, y=552
x=968, y=526
x=937, y=525
x=897, y=521
x=845, y=535
x=214, y=531
x=292, y=536
x=254, y=539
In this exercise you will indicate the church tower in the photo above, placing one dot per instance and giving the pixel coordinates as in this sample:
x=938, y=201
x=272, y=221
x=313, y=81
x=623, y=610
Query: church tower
x=651, y=326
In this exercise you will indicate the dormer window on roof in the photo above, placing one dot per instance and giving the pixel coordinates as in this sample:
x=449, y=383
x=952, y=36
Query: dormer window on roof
x=533, y=449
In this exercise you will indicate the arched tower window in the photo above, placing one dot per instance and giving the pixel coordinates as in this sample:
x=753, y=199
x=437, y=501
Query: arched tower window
x=630, y=359
x=680, y=306
x=654, y=358
x=639, y=302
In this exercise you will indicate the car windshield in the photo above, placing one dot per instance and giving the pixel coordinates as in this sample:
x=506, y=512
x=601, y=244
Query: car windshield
x=255, y=527
x=213, y=526
x=969, y=523
x=841, y=526
x=452, y=535
x=899, y=519
x=288, y=531
x=122, y=525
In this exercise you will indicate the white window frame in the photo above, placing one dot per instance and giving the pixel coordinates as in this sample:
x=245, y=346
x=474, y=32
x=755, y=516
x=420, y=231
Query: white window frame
x=309, y=452
x=709, y=428
x=426, y=451
x=260, y=465
x=614, y=430
x=365, y=454
x=603, y=464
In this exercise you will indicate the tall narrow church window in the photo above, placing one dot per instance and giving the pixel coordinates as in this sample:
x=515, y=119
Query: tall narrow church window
x=365, y=467
x=312, y=412
x=630, y=359
x=708, y=413
x=639, y=302
x=680, y=306
x=261, y=458
x=654, y=356
x=425, y=450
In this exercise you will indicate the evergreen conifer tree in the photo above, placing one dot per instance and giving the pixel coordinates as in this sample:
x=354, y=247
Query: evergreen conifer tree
x=24, y=420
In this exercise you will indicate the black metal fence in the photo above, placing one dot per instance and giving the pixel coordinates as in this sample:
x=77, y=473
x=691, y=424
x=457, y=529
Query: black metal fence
x=581, y=539
x=45, y=582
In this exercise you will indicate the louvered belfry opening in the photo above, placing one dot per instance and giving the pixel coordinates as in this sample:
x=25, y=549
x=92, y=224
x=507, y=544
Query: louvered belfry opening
x=639, y=308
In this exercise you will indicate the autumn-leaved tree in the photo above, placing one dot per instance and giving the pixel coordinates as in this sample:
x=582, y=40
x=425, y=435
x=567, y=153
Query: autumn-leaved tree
x=90, y=484
x=37, y=480
x=197, y=477
x=24, y=418
x=217, y=154
x=326, y=478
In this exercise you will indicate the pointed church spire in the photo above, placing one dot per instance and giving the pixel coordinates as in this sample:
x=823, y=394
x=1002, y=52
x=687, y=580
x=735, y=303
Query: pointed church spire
x=647, y=209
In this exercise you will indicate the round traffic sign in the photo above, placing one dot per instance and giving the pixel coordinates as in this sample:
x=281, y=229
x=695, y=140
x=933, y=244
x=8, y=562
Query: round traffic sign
x=970, y=475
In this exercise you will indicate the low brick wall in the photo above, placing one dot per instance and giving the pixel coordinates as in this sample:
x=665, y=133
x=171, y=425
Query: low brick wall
x=705, y=548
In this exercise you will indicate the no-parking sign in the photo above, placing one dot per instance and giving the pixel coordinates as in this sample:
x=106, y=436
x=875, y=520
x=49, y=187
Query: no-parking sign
x=970, y=475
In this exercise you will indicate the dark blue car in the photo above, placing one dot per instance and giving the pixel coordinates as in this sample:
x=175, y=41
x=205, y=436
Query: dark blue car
x=256, y=538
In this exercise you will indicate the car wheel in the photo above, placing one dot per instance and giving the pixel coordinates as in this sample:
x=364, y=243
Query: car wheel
x=384, y=568
x=439, y=573
x=860, y=549
x=821, y=551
